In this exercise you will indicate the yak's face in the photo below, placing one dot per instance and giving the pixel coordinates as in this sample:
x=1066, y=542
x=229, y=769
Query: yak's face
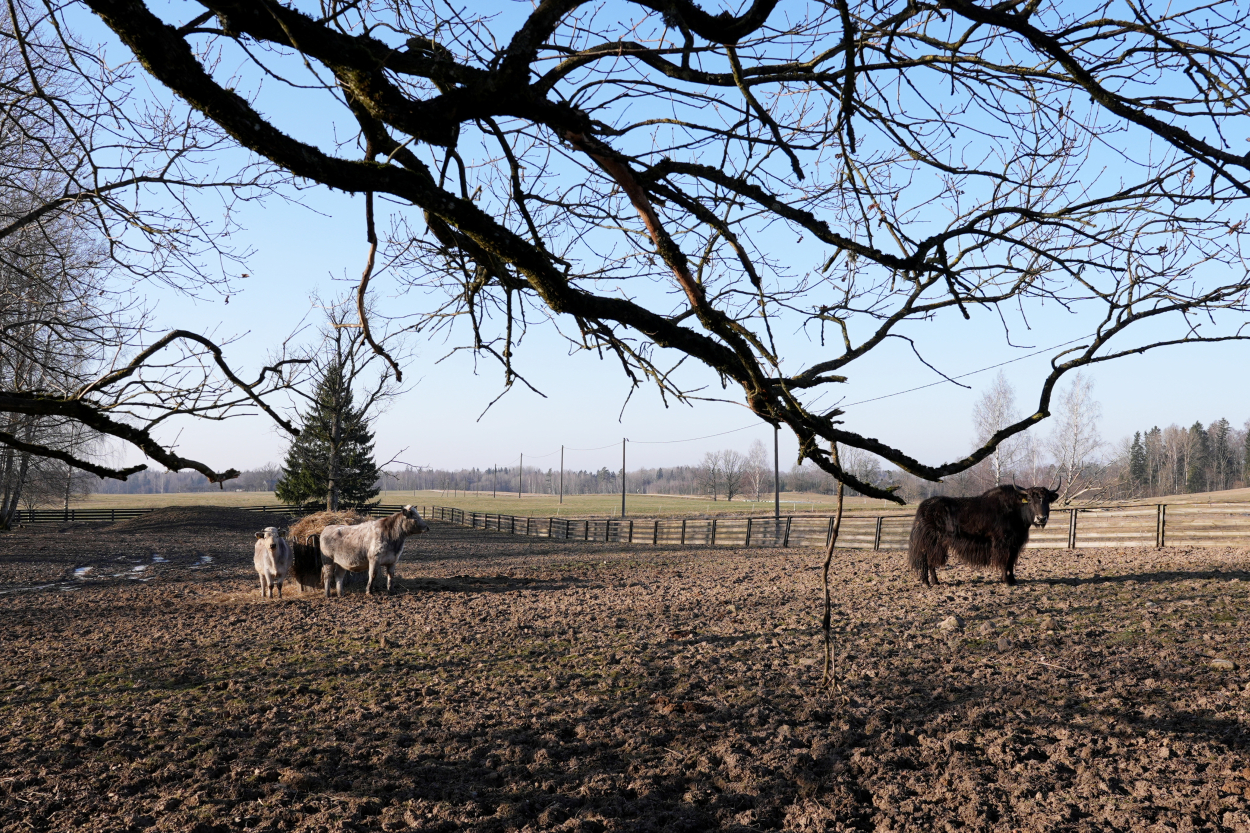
x=1035, y=504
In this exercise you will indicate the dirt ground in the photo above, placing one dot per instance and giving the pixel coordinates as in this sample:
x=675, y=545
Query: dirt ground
x=516, y=684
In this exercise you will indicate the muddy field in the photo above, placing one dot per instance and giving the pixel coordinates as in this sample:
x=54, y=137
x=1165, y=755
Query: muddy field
x=513, y=684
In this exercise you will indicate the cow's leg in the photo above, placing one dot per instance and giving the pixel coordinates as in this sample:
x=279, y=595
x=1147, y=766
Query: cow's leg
x=340, y=573
x=373, y=572
x=279, y=590
x=327, y=576
x=390, y=576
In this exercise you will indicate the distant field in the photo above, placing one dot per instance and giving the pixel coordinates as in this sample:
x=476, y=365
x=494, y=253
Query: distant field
x=638, y=505
x=792, y=503
x=215, y=498
x=510, y=504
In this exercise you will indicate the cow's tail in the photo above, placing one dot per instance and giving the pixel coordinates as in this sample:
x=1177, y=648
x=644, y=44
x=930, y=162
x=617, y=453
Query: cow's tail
x=306, y=561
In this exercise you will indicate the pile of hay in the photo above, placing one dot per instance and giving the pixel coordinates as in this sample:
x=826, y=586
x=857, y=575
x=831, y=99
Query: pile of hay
x=314, y=523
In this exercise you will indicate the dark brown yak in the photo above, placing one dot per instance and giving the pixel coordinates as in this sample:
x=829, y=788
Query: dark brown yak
x=984, y=531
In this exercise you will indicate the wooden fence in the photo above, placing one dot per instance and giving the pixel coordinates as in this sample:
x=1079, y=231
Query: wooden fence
x=1173, y=525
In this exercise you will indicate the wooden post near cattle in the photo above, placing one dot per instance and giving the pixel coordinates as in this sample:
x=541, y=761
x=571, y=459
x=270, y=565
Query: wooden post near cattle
x=876, y=538
x=785, y=542
x=1072, y=528
x=1161, y=525
x=655, y=533
x=631, y=530
x=713, y=532
x=747, y=543
x=683, y=532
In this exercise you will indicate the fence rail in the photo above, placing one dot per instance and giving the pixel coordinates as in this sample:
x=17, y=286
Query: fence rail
x=1177, y=525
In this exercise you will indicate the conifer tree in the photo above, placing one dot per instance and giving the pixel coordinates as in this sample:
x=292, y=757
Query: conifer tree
x=1138, y=471
x=332, y=458
x=1199, y=455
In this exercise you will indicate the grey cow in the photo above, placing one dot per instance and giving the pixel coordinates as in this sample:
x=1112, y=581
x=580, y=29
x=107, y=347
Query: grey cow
x=272, y=560
x=367, y=546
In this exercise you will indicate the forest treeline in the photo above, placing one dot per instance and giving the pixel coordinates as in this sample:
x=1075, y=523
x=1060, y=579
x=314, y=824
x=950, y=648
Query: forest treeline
x=1154, y=462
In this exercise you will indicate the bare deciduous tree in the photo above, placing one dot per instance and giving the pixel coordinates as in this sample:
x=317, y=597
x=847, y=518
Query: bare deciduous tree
x=758, y=472
x=994, y=411
x=631, y=168
x=733, y=472
x=1075, y=443
x=711, y=473
x=94, y=198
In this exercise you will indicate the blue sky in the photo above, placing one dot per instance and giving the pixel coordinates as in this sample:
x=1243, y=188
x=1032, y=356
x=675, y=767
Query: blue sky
x=320, y=249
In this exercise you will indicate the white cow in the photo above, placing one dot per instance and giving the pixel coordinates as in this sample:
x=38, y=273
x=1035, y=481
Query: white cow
x=367, y=546
x=273, y=560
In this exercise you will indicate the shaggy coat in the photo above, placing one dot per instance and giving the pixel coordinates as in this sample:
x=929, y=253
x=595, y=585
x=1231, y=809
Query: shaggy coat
x=984, y=531
x=368, y=546
x=272, y=560
x=306, y=562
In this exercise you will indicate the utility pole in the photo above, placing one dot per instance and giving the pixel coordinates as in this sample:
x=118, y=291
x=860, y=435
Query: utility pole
x=519, y=475
x=562, y=474
x=776, y=480
x=622, y=477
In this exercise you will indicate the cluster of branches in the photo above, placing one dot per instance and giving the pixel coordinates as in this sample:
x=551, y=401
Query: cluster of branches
x=632, y=170
x=79, y=363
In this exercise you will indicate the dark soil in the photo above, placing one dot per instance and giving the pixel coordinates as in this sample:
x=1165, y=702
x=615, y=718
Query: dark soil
x=520, y=684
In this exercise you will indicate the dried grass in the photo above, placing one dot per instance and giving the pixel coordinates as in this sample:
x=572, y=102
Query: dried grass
x=314, y=523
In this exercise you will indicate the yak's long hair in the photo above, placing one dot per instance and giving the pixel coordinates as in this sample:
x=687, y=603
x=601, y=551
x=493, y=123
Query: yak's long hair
x=984, y=531
x=306, y=561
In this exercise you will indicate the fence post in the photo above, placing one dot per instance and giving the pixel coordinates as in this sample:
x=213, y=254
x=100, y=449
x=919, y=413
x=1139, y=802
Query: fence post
x=713, y=532
x=683, y=532
x=1161, y=524
x=876, y=538
x=1072, y=528
x=631, y=530
x=748, y=541
x=655, y=533
x=829, y=534
x=786, y=541
x=586, y=531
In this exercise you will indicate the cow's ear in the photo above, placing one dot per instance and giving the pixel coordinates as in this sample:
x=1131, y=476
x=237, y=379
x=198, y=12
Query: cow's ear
x=260, y=535
x=1024, y=499
x=282, y=533
x=1052, y=495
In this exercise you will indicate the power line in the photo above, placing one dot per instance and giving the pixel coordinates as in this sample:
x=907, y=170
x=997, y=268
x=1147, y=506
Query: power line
x=850, y=405
x=692, y=439
x=969, y=373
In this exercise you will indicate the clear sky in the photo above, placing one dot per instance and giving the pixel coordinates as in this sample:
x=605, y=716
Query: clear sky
x=439, y=422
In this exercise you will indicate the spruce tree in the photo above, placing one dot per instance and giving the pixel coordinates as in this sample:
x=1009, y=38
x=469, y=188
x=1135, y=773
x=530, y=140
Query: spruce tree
x=1138, y=471
x=332, y=458
x=1199, y=456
